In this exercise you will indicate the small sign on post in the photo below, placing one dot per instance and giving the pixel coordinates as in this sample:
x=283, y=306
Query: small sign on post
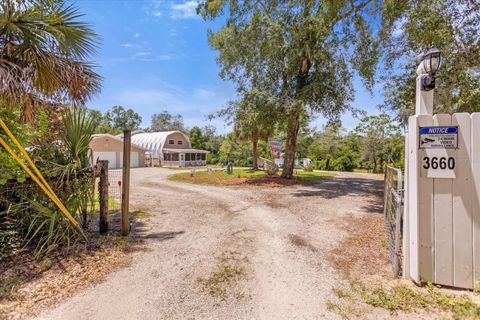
x=438, y=163
x=438, y=137
x=438, y=151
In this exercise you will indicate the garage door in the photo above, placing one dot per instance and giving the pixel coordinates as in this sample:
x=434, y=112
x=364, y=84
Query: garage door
x=110, y=156
x=133, y=160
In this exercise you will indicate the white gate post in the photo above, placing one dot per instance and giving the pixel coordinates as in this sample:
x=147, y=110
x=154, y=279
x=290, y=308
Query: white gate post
x=442, y=197
x=411, y=250
x=423, y=99
x=406, y=221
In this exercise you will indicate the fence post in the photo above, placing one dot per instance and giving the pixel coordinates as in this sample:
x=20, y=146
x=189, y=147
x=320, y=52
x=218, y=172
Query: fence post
x=126, y=181
x=103, y=190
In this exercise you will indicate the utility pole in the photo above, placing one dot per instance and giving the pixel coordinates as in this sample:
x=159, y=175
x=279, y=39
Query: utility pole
x=127, y=134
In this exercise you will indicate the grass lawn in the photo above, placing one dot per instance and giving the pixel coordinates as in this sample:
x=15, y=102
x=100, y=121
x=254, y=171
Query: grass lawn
x=181, y=168
x=246, y=176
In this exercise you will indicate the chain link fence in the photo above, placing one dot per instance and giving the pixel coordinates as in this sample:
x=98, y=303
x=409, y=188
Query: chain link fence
x=393, y=212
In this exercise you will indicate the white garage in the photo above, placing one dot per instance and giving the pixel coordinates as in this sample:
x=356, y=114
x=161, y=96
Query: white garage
x=106, y=155
x=133, y=160
x=109, y=147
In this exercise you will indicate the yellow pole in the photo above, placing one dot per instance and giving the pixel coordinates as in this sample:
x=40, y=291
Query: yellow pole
x=30, y=173
x=27, y=157
x=39, y=179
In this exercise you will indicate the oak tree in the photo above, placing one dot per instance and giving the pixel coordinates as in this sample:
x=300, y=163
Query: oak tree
x=410, y=27
x=304, y=52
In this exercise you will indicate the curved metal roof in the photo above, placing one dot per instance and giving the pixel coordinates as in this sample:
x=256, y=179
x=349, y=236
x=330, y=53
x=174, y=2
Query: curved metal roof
x=154, y=141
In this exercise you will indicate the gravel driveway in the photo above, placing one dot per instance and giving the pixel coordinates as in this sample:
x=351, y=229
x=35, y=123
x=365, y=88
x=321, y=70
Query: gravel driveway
x=280, y=239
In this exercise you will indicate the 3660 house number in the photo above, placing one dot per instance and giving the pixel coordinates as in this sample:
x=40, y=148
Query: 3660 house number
x=435, y=163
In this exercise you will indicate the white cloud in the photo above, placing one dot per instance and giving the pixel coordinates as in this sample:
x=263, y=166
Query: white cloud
x=153, y=95
x=161, y=57
x=204, y=94
x=141, y=46
x=173, y=32
x=142, y=54
x=136, y=35
x=157, y=13
x=147, y=57
x=186, y=10
x=145, y=100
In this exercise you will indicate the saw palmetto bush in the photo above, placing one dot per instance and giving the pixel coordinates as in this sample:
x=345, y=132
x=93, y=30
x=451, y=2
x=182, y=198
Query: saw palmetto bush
x=28, y=216
x=44, y=52
x=32, y=220
x=75, y=173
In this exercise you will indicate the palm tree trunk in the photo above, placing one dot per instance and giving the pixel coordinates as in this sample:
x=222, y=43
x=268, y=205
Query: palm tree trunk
x=255, y=152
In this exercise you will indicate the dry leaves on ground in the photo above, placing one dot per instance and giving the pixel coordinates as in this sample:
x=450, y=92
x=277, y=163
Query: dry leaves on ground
x=29, y=285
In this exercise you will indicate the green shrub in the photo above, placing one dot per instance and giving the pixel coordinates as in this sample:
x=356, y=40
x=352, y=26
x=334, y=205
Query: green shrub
x=320, y=164
x=27, y=215
x=343, y=163
x=29, y=218
x=308, y=168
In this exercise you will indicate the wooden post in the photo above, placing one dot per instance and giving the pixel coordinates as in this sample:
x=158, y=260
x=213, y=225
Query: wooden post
x=103, y=190
x=126, y=181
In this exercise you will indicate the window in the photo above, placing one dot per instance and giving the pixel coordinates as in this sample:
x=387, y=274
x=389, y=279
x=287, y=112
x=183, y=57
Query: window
x=179, y=142
x=174, y=156
x=167, y=157
x=171, y=141
x=199, y=156
x=204, y=156
x=187, y=156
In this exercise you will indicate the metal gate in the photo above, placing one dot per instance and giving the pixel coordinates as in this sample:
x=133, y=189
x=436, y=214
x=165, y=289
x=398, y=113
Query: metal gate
x=393, y=212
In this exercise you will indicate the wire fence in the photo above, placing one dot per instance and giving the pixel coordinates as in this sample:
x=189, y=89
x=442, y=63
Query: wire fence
x=114, y=189
x=393, y=212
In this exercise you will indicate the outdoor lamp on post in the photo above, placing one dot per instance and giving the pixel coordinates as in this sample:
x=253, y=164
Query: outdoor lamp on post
x=428, y=67
x=430, y=63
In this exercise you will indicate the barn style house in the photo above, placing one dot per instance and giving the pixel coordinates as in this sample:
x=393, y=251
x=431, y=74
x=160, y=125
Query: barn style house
x=168, y=148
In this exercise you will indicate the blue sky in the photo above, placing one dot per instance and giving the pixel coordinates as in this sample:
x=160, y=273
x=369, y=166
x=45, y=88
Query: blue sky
x=154, y=56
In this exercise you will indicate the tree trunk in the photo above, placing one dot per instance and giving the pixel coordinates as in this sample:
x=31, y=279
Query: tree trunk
x=255, y=153
x=292, y=132
x=294, y=121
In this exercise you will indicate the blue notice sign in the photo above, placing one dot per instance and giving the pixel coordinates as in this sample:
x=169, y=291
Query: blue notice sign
x=438, y=130
x=438, y=137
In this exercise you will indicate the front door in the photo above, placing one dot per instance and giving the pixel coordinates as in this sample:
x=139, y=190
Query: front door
x=182, y=160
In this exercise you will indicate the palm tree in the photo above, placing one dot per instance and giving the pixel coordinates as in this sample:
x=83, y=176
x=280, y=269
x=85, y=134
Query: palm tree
x=43, y=52
x=255, y=119
x=79, y=127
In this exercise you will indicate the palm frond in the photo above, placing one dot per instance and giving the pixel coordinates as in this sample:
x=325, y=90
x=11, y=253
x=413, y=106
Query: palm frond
x=43, y=52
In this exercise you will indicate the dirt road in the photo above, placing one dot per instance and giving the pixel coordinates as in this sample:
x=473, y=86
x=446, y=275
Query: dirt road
x=229, y=252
